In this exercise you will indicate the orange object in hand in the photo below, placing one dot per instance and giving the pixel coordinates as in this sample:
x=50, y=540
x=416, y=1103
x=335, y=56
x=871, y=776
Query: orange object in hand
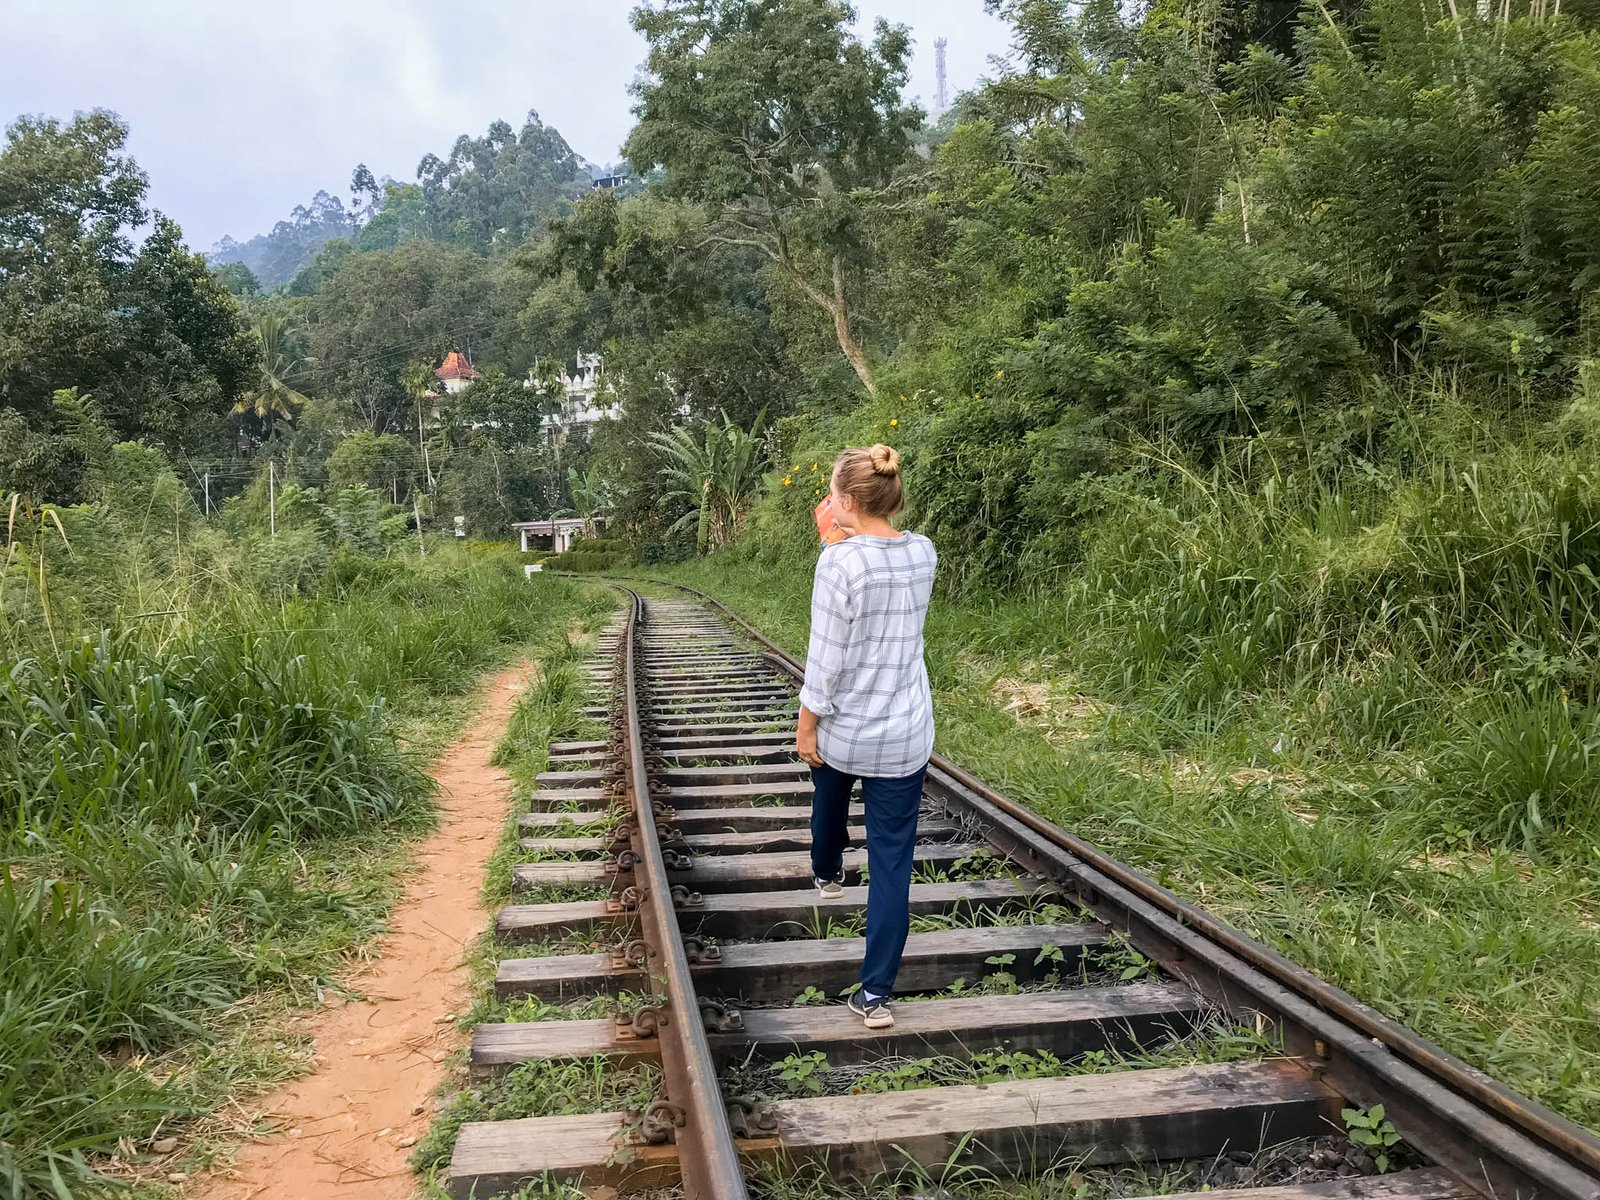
x=827, y=528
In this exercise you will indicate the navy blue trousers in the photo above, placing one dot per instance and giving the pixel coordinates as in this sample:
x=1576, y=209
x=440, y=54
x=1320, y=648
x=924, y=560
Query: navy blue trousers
x=891, y=806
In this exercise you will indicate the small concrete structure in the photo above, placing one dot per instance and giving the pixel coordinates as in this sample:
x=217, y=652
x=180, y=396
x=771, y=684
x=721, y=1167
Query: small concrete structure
x=559, y=531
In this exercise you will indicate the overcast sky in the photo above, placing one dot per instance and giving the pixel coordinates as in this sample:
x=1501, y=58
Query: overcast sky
x=240, y=111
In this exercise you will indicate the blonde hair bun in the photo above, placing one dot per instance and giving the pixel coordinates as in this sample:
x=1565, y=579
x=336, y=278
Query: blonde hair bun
x=871, y=475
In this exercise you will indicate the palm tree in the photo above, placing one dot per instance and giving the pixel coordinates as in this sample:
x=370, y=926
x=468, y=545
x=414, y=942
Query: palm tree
x=716, y=468
x=272, y=396
x=591, y=497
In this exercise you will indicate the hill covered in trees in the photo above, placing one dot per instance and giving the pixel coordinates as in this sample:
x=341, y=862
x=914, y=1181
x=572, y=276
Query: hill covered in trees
x=276, y=257
x=489, y=190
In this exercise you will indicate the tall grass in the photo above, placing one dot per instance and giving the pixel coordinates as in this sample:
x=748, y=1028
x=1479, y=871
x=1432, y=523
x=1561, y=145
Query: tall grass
x=188, y=806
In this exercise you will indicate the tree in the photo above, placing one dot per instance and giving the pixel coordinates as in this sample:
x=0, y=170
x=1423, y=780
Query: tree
x=494, y=486
x=272, y=396
x=686, y=324
x=386, y=463
x=366, y=193
x=383, y=309
x=591, y=497
x=497, y=189
x=773, y=116
x=403, y=217
x=328, y=260
x=153, y=334
x=716, y=470
x=238, y=279
x=278, y=256
x=502, y=409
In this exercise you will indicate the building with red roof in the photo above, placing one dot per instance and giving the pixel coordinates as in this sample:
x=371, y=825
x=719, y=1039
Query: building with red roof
x=456, y=372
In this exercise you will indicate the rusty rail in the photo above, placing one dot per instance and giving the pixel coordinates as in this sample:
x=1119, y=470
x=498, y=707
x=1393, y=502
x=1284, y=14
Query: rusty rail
x=692, y=1115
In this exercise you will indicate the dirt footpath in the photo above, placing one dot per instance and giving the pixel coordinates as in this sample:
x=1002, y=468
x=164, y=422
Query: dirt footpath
x=345, y=1130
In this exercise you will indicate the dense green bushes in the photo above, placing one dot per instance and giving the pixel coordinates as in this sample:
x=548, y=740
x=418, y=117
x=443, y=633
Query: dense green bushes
x=1285, y=398
x=1440, y=601
x=198, y=808
x=592, y=554
x=1322, y=245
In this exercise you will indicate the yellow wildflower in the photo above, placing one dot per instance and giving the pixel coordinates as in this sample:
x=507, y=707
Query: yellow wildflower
x=813, y=466
x=999, y=374
x=893, y=421
x=787, y=480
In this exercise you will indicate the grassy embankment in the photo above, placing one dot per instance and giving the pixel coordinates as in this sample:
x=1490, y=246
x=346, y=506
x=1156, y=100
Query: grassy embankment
x=1324, y=710
x=209, y=809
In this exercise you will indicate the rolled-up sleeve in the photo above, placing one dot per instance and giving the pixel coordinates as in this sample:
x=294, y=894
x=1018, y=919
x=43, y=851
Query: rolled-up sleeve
x=831, y=613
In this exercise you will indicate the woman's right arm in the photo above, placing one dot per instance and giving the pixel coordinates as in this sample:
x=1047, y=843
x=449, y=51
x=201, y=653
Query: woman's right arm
x=805, y=738
x=830, y=637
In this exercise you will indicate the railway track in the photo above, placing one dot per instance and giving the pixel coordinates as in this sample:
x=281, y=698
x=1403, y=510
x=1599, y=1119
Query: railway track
x=1072, y=1015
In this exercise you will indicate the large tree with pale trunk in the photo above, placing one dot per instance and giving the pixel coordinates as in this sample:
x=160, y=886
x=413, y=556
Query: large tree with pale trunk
x=784, y=125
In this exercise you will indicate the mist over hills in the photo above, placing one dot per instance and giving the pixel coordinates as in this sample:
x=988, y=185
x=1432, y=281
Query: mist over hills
x=489, y=192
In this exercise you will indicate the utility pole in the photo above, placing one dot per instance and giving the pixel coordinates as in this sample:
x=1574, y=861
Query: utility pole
x=272, y=498
x=427, y=469
x=941, y=94
x=416, y=512
x=208, y=493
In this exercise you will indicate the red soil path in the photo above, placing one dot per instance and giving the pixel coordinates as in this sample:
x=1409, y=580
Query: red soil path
x=345, y=1130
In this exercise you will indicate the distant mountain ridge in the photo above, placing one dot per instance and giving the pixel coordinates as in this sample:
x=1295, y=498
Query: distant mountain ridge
x=278, y=256
x=490, y=192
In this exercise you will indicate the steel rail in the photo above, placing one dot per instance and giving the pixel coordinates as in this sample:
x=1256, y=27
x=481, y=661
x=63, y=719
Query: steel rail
x=699, y=1120
x=1494, y=1139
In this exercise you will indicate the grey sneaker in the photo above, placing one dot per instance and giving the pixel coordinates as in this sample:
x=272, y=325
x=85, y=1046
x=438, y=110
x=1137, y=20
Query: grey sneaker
x=830, y=889
x=874, y=1011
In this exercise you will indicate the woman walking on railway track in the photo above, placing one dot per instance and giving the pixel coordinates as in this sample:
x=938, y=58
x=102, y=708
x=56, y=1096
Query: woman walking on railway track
x=866, y=711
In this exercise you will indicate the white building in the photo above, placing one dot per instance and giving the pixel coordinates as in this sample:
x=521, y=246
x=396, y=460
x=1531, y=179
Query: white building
x=587, y=399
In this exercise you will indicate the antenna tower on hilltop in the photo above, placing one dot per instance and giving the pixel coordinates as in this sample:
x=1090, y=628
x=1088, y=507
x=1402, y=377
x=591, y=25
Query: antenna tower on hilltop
x=941, y=96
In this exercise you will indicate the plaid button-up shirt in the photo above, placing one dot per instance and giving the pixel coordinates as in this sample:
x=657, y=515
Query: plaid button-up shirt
x=865, y=676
